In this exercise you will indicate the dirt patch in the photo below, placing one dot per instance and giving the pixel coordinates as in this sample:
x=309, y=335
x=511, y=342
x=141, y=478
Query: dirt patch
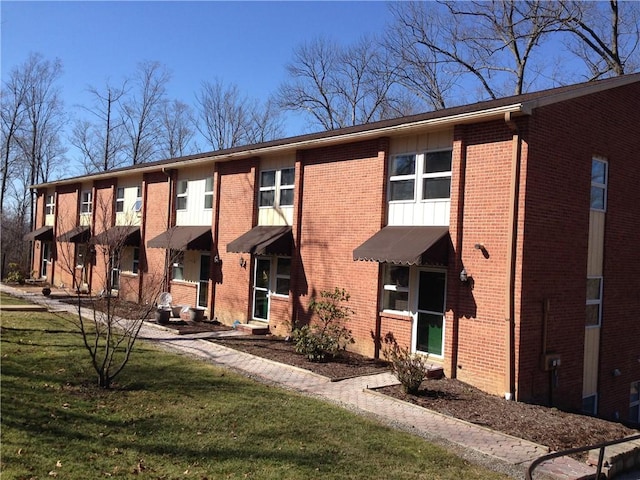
x=546, y=426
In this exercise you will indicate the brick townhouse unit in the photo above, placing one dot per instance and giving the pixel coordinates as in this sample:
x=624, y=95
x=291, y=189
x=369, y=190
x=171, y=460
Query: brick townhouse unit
x=497, y=237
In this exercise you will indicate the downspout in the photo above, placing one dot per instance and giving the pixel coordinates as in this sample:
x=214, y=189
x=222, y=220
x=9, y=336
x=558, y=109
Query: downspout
x=511, y=257
x=142, y=251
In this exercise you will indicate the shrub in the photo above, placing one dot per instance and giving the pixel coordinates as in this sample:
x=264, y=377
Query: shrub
x=323, y=340
x=15, y=274
x=409, y=368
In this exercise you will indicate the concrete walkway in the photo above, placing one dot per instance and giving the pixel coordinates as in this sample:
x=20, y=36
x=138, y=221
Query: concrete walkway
x=495, y=450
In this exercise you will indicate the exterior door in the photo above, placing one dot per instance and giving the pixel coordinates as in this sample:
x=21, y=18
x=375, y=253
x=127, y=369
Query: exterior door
x=261, y=279
x=46, y=249
x=429, y=325
x=203, y=282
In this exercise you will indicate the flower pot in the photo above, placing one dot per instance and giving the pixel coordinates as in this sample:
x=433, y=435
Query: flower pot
x=163, y=315
x=175, y=310
x=196, y=314
x=46, y=291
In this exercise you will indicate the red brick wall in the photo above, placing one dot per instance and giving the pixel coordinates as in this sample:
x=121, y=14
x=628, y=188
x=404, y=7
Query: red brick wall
x=152, y=260
x=236, y=186
x=563, y=139
x=102, y=220
x=475, y=320
x=280, y=309
x=67, y=210
x=341, y=208
x=183, y=293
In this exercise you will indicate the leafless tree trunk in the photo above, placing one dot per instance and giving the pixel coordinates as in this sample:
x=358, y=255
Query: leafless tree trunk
x=176, y=129
x=101, y=141
x=141, y=113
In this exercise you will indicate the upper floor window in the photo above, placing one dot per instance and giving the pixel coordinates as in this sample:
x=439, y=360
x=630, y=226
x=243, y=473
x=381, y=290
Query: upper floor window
x=594, y=301
x=181, y=195
x=598, y=184
x=137, y=206
x=120, y=199
x=277, y=188
x=50, y=205
x=85, y=204
x=424, y=176
x=208, y=193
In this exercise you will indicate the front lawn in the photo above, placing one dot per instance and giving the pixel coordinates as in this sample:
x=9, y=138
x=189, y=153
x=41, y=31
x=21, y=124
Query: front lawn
x=172, y=417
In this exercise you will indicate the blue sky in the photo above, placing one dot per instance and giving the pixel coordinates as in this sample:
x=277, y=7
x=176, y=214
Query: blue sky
x=246, y=43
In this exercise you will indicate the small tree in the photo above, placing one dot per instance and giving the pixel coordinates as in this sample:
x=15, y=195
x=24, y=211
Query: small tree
x=111, y=329
x=322, y=340
x=410, y=369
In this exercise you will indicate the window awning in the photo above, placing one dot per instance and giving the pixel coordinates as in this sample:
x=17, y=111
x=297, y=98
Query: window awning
x=407, y=246
x=183, y=238
x=77, y=235
x=119, y=235
x=44, y=234
x=264, y=240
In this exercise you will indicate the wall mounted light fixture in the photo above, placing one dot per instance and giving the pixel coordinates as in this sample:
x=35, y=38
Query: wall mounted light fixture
x=464, y=277
x=243, y=262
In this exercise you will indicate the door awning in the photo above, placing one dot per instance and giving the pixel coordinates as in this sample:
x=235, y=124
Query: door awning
x=406, y=246
x=77, y=235
x=264, y=240
x=44, y=234
x=183, y=238
x=118, y=236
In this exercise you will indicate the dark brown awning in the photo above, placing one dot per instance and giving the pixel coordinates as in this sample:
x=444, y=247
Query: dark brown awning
x=183, y=238
x=119, y=235
x=44, y=234
x=264, y=240
x=77, y=235
x=407, y=246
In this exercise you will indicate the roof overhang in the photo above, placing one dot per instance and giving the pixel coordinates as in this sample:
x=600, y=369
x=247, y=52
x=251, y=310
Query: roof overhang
x=79, y=234
x=118, y=236
x=184, y=238
x=44, y=234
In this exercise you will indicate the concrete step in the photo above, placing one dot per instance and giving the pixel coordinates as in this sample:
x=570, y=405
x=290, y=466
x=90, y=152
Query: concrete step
x=23, y=308
x=253, y=328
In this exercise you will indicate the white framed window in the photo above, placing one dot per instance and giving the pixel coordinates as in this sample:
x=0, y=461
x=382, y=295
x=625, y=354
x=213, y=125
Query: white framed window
x=425, y=176
x=283, y=276
x=137, y=206
x=634, y=402
x=395, y=290
x=135, y=263
x=208, y=193
x=120, y=199
x=436, y=177
x=276, y=188
x=177, y=264
x=85, y=202
x=593, y=316
x=50, y=205
x=599, y=174
x=181, y=194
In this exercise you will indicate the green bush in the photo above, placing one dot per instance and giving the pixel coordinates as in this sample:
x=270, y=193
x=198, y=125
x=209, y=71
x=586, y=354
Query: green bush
x=15, y=274
x=410, y=369
x=322, y=340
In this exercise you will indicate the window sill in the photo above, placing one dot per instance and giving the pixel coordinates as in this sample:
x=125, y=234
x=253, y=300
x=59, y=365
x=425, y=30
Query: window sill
x=280, y=297
x=397, y=315
x=128, y=274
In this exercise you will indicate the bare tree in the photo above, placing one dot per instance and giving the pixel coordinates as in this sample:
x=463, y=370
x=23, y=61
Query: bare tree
x=604, y=35
x=492, y=43
x=108, y=325
x=229, y=119
x=101, y=141
x=141, y=112
x=340, y=87
x=176, y=129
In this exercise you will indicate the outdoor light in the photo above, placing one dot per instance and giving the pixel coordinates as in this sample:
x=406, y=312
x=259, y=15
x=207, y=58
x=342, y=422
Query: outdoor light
x=243, y=262
x=463, y=275
x=479, y=246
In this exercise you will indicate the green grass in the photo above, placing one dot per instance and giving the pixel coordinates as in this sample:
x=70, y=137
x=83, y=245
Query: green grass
x=173, y=417
x=9, y=300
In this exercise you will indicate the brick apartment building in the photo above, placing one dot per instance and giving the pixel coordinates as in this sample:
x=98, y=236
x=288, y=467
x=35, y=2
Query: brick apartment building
x=497, y=237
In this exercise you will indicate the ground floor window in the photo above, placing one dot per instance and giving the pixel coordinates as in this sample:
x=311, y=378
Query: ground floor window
x=46, y=255
x=272, y=276
x=590, y=404
x=419, y=292
x=177, y=265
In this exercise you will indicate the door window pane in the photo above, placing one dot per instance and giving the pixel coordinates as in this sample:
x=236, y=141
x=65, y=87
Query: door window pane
x=431, y=293
x=429, y=333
